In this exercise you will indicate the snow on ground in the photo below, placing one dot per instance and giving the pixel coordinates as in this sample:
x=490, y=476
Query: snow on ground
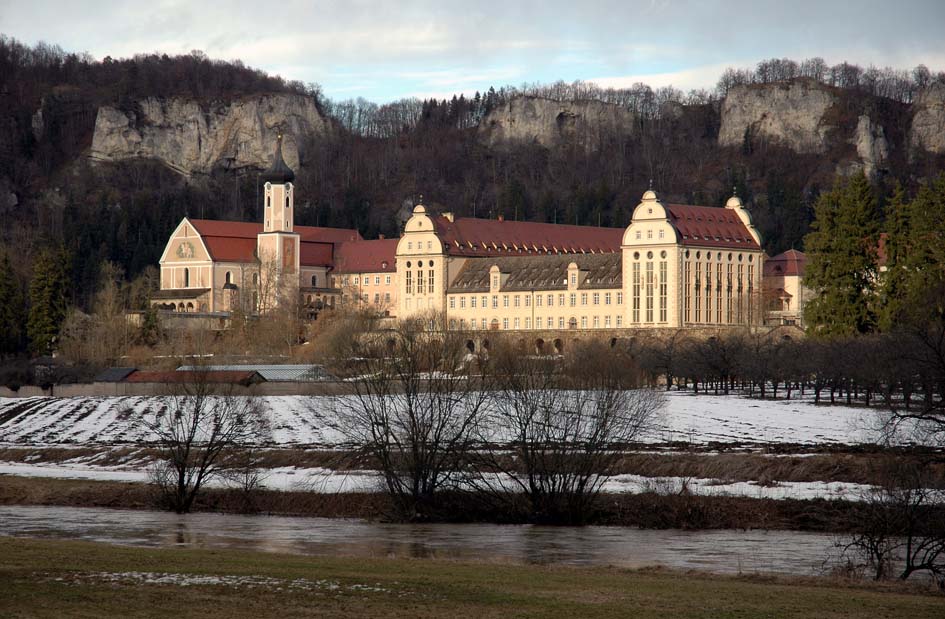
x=330, y=482
x=215, y=580
x=302, y=420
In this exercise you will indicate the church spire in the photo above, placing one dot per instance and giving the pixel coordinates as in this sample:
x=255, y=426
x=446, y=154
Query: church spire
x=279, y=173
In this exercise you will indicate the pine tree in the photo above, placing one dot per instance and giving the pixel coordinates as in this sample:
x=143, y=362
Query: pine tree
x=12, y=310
x=841, y=267
x=47, y=300
x=896, y=245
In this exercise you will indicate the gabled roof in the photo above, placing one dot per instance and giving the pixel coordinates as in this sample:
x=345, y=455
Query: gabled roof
x=707, y=226
x=272, y=373
x=235, y=241
x=789, y=263
x=468, y=236
x=114, y=375
x=375, y=256
x=549, y=272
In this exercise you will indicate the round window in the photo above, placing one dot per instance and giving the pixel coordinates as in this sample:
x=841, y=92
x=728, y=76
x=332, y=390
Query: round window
x=739, y=257
x=431, y=263
x=649, y=255
x=749, y=258
x=663, y=254
x=408, y=264
x=719, y=256
x=687, y=253
x=698, y=255
x=729, y=256
x=636, y=255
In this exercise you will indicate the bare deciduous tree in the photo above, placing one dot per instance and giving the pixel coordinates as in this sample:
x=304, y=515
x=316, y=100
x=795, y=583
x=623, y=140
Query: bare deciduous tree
x=201, y=422
x=557, y=426
x=416, y=403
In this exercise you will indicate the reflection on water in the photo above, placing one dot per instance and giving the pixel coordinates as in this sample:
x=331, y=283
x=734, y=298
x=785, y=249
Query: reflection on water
x=718, y=551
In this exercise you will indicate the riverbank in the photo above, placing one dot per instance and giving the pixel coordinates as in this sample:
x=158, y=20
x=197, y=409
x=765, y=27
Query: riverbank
x=55, y=578
x=648, y=510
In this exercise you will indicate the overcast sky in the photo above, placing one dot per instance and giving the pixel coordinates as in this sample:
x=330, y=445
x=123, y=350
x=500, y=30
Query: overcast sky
x=387, y=50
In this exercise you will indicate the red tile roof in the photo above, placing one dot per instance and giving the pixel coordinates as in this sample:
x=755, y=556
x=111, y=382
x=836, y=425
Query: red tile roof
x=235, y=241
x=789, y=263
x=468, y=236
x=366, y=256
x=708, y=226
x=242, y=377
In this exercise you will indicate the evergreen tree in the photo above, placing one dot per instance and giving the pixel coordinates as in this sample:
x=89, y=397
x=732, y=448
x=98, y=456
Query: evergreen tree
x=923, y=260
x=12, y=310
x=841, y=266
x=896, y=246
x=47, y=300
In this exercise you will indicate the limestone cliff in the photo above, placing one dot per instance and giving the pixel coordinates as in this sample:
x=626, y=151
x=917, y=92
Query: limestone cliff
x=552, y=123
x=928, y=120
x=871, y=145
x=192, y=138
x=790, y=113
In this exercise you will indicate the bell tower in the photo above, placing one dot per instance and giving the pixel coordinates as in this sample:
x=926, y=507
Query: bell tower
x=277, y=246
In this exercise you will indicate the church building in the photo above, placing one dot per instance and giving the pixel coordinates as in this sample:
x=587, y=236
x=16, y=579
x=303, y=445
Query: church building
x=674, y=266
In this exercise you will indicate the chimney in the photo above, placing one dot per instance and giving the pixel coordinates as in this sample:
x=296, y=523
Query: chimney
x=501, y=218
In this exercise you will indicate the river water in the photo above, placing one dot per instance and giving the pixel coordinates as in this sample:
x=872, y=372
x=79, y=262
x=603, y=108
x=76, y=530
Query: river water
x=725, y=551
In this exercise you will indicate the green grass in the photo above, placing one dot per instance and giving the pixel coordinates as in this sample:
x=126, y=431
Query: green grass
x=44, y=578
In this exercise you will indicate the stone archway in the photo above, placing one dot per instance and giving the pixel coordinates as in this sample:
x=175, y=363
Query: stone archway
x=539, y=346
x=558, y=346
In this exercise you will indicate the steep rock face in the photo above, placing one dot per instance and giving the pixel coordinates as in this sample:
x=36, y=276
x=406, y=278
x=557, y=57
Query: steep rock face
x=928, y=121
x=552, y=123
x=192, y=139
x=871, y=145
x=791, y=113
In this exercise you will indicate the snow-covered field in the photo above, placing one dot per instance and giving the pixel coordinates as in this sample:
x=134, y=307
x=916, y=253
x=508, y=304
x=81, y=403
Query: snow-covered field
x=328, y=481
x=301, y=420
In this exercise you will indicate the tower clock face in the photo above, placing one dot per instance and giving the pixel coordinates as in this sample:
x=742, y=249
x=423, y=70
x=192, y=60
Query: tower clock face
x=185, y=250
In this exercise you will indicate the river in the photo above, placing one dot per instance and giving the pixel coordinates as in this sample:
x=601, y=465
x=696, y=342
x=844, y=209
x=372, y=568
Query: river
x=720, y=551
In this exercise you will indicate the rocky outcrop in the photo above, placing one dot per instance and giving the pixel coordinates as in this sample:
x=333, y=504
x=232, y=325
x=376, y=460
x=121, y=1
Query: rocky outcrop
x=552, y=123
x=791, y=113
x=871, y=145
x=193, y=139
x=928, y=120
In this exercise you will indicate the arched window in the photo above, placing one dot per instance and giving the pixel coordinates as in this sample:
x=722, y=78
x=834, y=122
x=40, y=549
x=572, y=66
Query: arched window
x=180, y=307
x=190, y=307
x=229, y=279
x=314, y=281
x=255, y=279
x=572, y=323
x=186, y=278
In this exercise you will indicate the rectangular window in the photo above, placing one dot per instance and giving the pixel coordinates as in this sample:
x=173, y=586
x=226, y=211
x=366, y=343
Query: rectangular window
x=596, y=298
x=560, y=322
x=517, y=324
x=483, y=323
x=452, y=302
x=505, y=324
x=635, y=293
x=409, y=282
x=528, y=323
x=356, y=280
x=583, y=298
x=708, y=292
x=472, y=302
x=606, y=298
x=688, y=280
x=495, y=302
x=551, y=300
x=718, y=293
x=583, y=322
x=607, y=322
x=430, y=281
x=377, y=280
x=696, y=292
x=663, y=292
x=386, y=297
x=419, y=282
x=728, y=294
x=619, y=321
x=462, y=302
x=367, y=281
x=561, y=299
x=387, y=280
x=551, y=322
x=597, y=322
x=505, y=300
x=572, y=299
x=528, y=301
x=485, y=301
x=515, y=301
x=377, y=298
x=649, y=291
x=619, y=298
x=538, y=299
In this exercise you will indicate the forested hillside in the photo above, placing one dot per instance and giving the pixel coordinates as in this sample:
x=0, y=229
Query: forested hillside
x=563, y=152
